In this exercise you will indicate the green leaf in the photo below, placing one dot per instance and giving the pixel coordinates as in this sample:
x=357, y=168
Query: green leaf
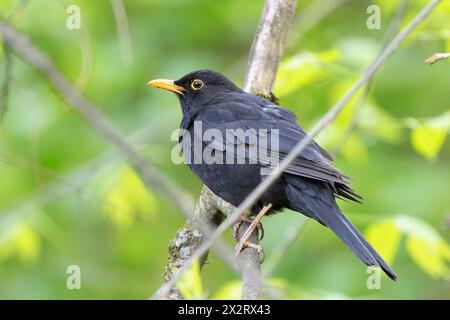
x=380, y=122
x=358, y=51
x=385, y=238
x=22, y=241
x=128, y=197
x=28, y=244
x=388, y=7
x=431, y=257
x=190, y=284
x=427, y=140
x=355, y=151
x=415, y=227
x=426, y=247
x=230, y=291
x=297, y=71
x=429, y=137
x=6, y=7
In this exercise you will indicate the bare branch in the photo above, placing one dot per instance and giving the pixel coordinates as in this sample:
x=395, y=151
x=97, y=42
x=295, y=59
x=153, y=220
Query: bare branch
x=4, y=89
x=151, y=177
x=356, y=117
x=77, y=178
x=16, y=10
x=268, y=46
x=446, y=222
x=209, y=212
x=86, y=60
x=123, y=30
x=248, y=263
x=437, y=57
x=284, y=245
x=313, y=14
x=367, y=74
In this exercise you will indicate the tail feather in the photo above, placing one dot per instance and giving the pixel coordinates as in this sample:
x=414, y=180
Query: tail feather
x=345, y=230
x=317, y=202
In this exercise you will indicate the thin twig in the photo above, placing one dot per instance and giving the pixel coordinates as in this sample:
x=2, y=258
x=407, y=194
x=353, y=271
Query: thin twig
x=437, y=57
x=390, y=33
x=86, y=59
x=151, y=176
x=284, y=245
x=16, y=10
x=324, y=122
x=123, y=30
x=314, y=13
x=64, y=183
x=77, y=178
x=4, y=90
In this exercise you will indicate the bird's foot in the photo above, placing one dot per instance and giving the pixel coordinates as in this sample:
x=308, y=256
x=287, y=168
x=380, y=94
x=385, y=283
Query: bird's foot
x=242, y=242
x=246, y=244
x=246, y=219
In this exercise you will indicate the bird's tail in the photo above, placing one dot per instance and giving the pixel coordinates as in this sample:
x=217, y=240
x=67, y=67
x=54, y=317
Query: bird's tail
x=327, y=212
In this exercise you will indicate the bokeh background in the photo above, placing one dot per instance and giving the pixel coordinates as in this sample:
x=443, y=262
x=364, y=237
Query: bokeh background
x=67, y=197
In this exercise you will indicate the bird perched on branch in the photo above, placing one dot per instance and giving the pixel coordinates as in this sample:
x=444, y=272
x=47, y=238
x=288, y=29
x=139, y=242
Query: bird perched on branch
x=231, y=140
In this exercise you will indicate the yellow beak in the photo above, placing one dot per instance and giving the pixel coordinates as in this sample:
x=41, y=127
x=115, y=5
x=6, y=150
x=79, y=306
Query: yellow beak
x=166, y=85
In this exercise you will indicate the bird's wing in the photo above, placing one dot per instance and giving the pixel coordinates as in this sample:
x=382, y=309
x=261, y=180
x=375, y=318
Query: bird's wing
x=266, y=120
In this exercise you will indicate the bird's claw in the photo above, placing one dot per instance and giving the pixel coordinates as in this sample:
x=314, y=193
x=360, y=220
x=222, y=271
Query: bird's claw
x=246, y=244
x=242, y=242
x=243, y=219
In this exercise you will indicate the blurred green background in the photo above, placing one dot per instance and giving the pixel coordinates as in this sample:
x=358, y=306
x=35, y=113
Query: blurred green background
x=67, y=197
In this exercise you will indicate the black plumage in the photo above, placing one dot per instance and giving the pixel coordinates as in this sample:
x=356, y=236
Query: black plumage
x=310, y=185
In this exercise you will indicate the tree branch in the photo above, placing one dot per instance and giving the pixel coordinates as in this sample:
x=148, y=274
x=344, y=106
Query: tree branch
x=356, y=117
x=265, y=55
x=437, y=57
x=291, y=234
x=123, y=30
x=77, y=178
x=367, y=74
x=4, y=90
x=313, y=14
x=268, y=46
x=188, y=239
x=151, y=177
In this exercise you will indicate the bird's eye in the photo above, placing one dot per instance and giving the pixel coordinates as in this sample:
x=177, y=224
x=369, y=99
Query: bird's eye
x=197, y=84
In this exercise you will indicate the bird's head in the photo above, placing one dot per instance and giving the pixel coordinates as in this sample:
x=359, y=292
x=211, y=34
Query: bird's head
x=197, y=87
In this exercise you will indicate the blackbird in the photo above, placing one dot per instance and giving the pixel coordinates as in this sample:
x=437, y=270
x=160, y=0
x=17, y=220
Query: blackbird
x=220, y=131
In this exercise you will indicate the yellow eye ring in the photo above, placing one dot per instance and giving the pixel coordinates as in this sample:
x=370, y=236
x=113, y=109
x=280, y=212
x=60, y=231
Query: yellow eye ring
x=197, y=84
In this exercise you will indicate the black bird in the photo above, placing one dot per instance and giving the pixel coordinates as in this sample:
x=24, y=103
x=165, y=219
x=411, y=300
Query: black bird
x=212, y=107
